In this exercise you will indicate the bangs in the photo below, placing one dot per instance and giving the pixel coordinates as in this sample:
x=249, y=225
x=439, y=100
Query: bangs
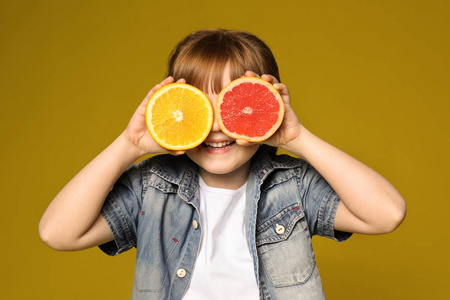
x=202, y=67
x=202, y=57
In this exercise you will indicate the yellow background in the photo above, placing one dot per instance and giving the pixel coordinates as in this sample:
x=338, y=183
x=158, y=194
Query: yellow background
x=371, y=77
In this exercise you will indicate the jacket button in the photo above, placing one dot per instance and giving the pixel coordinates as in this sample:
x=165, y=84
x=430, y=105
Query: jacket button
x=195, y=224
x=181, y=273
x=279, y=229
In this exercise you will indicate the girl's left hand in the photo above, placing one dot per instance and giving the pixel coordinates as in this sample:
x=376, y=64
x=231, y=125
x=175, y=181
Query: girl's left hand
x=290, y=127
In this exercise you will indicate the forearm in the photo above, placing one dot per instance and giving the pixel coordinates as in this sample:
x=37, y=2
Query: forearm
x=76, y=208
x=370, y=204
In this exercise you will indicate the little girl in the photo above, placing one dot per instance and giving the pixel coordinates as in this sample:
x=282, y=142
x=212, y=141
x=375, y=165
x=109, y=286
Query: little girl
x=228, y=219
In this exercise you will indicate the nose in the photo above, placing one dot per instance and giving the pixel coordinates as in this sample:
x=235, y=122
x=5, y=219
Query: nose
x=213, y=97
x=215, y=126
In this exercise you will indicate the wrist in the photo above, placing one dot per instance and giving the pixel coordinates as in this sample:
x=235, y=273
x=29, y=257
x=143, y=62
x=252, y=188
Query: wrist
x=295, y=145
x=130, y=151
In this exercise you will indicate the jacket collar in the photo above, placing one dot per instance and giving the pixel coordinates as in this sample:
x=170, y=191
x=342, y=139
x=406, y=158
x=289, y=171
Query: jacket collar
x=263, y=163
x=181, y=171
x=178, y=170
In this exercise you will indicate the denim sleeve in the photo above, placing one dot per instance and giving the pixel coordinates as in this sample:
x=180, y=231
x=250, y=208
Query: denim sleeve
x=121, y=209
x=320, y=202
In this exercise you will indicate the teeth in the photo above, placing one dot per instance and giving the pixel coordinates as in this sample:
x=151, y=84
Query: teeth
x=218, y=145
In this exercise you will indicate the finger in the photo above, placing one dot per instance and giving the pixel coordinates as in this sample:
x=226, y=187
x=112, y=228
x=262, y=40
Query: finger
x=269, y=78
x=181, y=80
x=152, y=91
x=282, y=89
x=177, y=152
x=158, y=86
x=251, y=74
x=244, y=143
x=167, y=80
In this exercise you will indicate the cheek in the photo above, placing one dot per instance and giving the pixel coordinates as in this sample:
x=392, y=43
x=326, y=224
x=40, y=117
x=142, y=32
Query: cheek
x=251, y=150
x=243, y=154
x=193, y=154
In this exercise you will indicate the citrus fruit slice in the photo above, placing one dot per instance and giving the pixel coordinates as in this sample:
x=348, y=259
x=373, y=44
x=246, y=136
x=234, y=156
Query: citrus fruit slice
x=179, y=116
x=249, y=108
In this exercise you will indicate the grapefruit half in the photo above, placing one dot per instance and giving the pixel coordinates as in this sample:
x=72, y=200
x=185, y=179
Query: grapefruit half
x=249, y=108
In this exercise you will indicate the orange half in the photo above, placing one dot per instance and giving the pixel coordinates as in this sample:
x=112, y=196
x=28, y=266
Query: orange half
x=179, y=116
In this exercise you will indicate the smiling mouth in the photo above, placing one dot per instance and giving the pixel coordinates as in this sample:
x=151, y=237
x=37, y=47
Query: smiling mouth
x=220, y=145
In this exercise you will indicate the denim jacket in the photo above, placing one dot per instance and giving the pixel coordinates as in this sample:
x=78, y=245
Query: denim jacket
x=154, y=206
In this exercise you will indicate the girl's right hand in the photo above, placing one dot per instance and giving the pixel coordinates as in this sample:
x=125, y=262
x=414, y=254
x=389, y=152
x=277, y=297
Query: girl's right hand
x=73, y=220
x=137, y=133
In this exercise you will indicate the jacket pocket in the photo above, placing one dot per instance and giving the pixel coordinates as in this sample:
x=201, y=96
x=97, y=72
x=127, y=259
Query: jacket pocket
x=285, y=248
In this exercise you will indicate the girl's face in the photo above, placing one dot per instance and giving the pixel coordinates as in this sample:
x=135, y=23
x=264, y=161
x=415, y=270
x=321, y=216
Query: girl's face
x=222, y=163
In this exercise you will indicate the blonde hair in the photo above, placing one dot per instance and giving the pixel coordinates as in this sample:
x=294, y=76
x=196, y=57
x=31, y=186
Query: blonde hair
x=201, y=57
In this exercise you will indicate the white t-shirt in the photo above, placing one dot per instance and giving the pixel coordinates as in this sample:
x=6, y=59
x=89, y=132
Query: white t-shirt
x=224, y=266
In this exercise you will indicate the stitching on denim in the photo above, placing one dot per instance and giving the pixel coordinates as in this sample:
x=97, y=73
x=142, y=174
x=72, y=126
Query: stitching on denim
x=288, y=231
x=288, y=175
x=279, y=216
x=283, y=283
x=327, y=213
x=167, y=271
x=189, y=241
x=123, y=243
x=263, y=290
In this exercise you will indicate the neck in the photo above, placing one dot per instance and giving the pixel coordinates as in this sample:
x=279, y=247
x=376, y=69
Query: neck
x=232, y=181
